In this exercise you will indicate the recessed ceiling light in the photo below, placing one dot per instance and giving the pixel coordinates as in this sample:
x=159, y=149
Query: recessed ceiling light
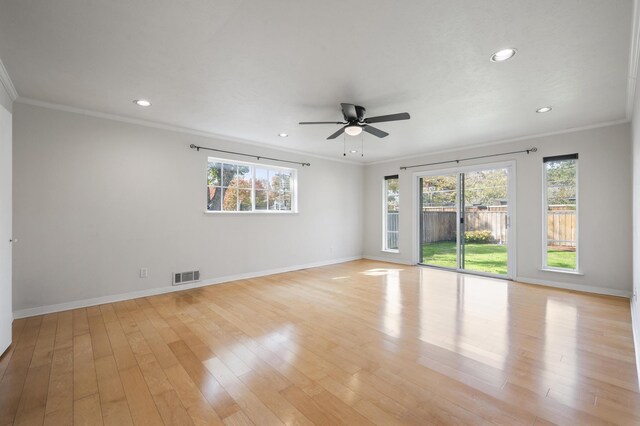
x=283, y=135
x=353, y=151
x=503, y=55
x=543, y=109
x=353, y=130
x=142, y=102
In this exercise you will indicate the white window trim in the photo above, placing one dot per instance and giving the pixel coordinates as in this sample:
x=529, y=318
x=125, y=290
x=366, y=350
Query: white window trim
x=545, y=225
x=294, y=188
x=385, y=249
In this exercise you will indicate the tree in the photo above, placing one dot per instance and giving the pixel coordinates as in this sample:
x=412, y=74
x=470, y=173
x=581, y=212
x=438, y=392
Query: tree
x=486, y=188
x=393, y=199
x=561, y=182
x=280, y=191
x=439, y=191
x=223, y=181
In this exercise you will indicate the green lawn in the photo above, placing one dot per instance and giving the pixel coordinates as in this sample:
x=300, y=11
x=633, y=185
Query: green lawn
x=491, y=258
x=561, y=259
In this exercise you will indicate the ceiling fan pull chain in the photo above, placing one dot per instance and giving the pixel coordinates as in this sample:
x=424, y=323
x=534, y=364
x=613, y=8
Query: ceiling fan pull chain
x=362, y=145
x=344, y=145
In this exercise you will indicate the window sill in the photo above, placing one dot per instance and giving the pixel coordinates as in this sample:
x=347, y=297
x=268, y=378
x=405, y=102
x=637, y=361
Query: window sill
x=272, y=212
x=390, y=251
x=562, y=271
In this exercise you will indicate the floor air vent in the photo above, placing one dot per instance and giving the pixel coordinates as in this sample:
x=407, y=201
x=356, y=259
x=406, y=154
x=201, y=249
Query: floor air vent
x=180, y=278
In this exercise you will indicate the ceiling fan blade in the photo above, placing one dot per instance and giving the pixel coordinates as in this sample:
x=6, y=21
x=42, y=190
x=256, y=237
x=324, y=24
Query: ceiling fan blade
x=390, y=117
x=349, y=112
x=375, y=132
x=322, y=122
x=338, y=133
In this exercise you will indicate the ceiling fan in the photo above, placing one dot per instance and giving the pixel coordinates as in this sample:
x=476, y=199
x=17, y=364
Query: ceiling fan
x=354, y=121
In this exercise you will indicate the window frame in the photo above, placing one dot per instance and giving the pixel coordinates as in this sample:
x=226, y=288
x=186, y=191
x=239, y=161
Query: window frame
x=253, y=166
x=545, y=208
x=385, y=231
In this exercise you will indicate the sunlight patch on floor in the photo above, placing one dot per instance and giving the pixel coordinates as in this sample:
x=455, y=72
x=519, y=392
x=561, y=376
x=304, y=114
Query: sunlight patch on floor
x=380, y=272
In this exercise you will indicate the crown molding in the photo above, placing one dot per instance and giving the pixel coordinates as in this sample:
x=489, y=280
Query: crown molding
x=7, y=83
x=172, y=128
x=500, y=142
x=634, y=56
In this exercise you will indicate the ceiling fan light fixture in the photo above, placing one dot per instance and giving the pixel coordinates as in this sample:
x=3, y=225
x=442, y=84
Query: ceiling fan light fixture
x=544, y=109
x=353, y=130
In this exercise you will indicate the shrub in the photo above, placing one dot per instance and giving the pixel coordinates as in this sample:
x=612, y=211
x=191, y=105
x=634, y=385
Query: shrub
x=480, y=237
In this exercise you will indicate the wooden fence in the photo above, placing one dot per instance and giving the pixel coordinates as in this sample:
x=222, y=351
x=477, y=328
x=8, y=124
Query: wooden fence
x=439, y=224
x=561, y=228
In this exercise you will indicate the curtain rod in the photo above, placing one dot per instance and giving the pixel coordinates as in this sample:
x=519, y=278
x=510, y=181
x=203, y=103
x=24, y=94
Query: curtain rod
x=534, y=149
x=257, y=157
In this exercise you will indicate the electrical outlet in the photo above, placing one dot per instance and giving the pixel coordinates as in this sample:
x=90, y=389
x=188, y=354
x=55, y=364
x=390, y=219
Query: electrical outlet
x=144, y=272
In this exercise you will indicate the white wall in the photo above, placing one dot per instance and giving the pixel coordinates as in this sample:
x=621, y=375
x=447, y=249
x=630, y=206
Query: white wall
x=96, y=199
x=635, y=307
x=5, y=99
x=604, y=197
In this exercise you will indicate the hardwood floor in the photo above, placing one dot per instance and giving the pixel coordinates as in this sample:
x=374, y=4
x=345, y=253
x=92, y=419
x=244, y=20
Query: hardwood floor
x=357, y=343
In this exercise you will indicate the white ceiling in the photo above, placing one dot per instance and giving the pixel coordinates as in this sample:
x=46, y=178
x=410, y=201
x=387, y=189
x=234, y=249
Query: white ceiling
x=253, y=69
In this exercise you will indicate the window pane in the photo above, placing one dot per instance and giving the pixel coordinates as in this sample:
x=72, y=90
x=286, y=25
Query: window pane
x=392, y=195
x=230, y=199
x=215, y=174
x=392, y=204
x=286, y=181
x=244, y=200
x=286, y=199
x=262, y=179
x=214, y=198
x=561, y=215
x=244, y=177
x=438, y=220
x=275, y=179
x=261, y=199
x=279, y=200
x=229, y=174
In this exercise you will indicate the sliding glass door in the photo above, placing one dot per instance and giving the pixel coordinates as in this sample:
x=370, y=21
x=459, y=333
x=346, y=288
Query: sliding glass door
x=465, y=220
x=439, y=220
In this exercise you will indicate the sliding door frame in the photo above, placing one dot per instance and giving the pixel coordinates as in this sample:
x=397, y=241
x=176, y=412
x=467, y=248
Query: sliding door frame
x=511, y=213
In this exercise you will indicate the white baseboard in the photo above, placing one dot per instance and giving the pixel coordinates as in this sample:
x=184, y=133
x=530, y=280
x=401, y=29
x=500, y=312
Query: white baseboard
x=635, y=327
x=40, y=310
x=388, y=259
x=576, y=287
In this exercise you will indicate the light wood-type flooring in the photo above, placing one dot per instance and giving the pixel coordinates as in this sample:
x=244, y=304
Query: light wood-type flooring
x=362, y=342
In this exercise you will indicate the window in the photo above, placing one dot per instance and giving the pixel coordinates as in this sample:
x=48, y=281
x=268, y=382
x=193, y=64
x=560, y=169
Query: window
x=390, y=214
x=246, y=187
x=561, y=213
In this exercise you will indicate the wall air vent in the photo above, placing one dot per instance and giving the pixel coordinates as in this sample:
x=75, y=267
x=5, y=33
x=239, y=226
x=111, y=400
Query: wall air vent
x=180, y=278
